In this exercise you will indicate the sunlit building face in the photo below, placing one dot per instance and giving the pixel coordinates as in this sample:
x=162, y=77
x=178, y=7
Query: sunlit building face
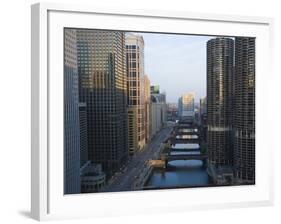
x=135, y=82
x=103, y=86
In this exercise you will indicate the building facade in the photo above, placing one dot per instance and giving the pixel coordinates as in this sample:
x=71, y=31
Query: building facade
x=135, y=82
x=103, y=87
x=92, y=178
x=83, y=133
x=158, y=112
x=203, y=106
x=147, y=109
x=172, y=111
x=244, y=108
x=132, y=129
x=219, y=100
x=155, y=89
x=71, y=115
x=203, y=119
x=186, y=106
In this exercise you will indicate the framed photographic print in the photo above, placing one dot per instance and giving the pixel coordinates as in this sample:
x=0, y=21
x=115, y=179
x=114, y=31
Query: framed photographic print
x=148, y=111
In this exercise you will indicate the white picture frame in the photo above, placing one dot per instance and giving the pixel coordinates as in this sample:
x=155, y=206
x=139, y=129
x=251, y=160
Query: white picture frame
x=47, y=199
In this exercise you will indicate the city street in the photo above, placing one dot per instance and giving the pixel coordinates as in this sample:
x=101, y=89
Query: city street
x=124, y=180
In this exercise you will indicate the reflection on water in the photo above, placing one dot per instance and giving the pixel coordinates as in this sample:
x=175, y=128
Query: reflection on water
x=187, y=137
x=187, y=130
x=181, y=172
x=185, y=146
x=184, y=153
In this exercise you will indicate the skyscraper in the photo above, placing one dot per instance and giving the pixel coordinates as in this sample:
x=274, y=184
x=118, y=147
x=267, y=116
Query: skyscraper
x=71, y=115
x=155, y=89
x=203, y=105
x=244, y=119
x=132, y=129
x=158, y=112
x=147, y=106
x=186, y=106
x=135, y=81
x=219, y=100
x=203, y=119
x=83, y=133
x=102, y=85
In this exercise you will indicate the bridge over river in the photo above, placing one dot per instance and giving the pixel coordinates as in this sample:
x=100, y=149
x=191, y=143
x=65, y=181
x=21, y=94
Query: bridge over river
x=183, y=135
x=181, y=162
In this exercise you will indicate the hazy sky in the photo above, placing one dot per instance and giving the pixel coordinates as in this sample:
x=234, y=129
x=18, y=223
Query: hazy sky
x=177, y=63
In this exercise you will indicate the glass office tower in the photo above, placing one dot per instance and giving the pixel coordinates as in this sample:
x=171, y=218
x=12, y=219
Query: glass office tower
x=103, y=87
x=71, y=115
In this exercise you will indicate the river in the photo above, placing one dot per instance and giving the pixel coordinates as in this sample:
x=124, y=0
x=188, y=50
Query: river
x=180, y=173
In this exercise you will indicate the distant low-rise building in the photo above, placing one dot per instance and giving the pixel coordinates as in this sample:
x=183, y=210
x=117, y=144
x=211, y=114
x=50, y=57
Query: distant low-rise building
x=203, y=118
x=172, y=111
x=203, y=105
x=155, y=89
x=158, y=112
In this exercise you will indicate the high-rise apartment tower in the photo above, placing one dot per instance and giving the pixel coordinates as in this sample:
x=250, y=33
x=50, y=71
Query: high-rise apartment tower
x=219, y=100
x=244, y=109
